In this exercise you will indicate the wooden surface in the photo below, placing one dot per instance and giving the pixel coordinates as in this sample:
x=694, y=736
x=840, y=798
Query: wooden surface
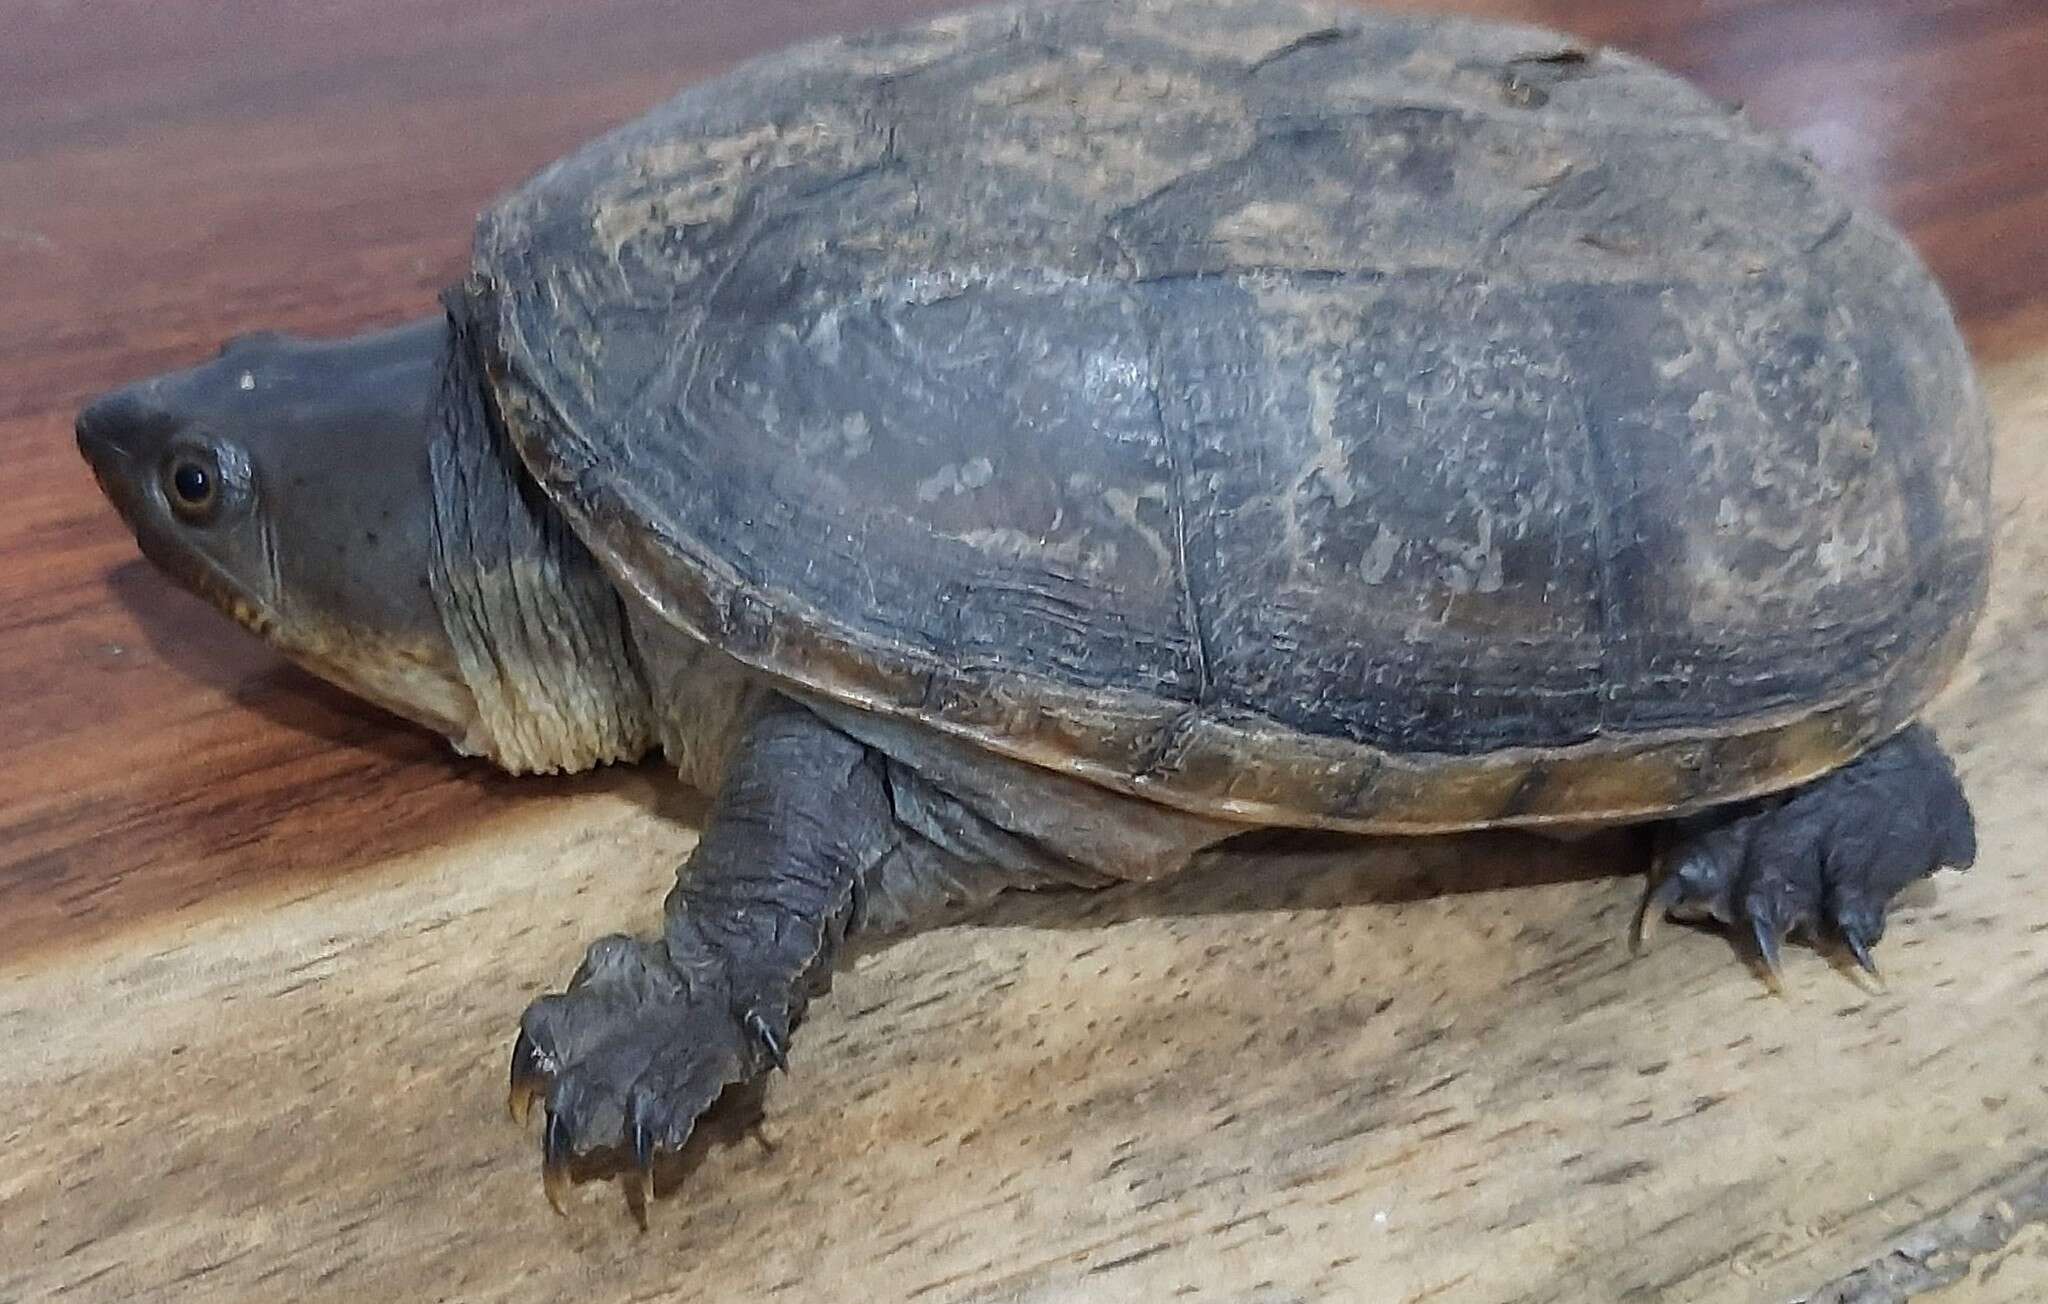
x=260, y=947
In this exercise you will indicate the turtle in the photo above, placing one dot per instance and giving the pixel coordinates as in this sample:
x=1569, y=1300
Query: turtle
x=1037, y=446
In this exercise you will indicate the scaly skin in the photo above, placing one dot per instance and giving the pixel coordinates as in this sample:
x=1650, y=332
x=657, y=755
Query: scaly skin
x=651, y=1032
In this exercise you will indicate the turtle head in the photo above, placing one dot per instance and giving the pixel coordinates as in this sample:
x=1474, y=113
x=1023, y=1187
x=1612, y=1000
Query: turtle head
x=287, y=482
x=354, y=503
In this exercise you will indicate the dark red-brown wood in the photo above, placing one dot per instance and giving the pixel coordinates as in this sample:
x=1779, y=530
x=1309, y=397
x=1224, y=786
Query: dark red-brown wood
x=173, y=171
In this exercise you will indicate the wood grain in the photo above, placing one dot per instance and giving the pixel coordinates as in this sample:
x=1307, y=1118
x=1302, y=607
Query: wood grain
x=1114, y=1099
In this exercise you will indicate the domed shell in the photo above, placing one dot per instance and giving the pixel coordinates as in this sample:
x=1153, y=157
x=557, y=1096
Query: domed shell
x=1291, y=414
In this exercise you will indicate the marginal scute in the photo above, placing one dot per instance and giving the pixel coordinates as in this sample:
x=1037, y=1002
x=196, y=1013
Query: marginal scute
x=1277, y=411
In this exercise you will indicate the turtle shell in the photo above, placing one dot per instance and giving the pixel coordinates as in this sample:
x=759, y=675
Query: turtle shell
x=1289, y=414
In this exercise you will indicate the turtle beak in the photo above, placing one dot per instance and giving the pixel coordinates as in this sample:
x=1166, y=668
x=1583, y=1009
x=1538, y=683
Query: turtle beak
x=119, y=435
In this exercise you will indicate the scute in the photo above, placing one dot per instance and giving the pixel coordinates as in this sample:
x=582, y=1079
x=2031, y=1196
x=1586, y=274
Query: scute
x=1285, y=413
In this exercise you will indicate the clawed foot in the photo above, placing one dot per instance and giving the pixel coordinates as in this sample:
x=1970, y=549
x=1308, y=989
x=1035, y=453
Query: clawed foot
x=1825, y=860
x=630, y=1056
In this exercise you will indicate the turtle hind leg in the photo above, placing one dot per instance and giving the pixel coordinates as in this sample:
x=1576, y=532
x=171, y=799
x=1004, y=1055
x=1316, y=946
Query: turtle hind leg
x=1825, y=859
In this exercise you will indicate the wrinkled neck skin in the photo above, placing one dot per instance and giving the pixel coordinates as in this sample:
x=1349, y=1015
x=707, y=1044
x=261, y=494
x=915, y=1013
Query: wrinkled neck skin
x=707, y=698
x=538, y=632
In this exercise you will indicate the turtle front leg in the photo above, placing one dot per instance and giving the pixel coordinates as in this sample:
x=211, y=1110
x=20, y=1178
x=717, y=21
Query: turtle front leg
x=1826, y=858
x=650, y=1032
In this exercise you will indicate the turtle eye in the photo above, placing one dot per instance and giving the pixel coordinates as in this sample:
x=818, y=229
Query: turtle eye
x=192, y=485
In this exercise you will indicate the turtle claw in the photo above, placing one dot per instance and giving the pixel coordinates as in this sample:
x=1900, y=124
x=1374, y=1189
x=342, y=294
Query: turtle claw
x=765, y=1034
x=646, y=1128
x=1660, y=897
x=532, y=1070
x=1858, y=946
x=639, y=1135
x=554, y=1162
x=1767, y=949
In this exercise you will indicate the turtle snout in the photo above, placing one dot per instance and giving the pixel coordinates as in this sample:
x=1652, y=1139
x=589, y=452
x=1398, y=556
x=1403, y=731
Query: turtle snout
x=114, y=427
x=123, y=436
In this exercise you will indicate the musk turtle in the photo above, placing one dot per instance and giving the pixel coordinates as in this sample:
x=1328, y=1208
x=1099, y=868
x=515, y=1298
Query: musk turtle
x=1036, y=445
